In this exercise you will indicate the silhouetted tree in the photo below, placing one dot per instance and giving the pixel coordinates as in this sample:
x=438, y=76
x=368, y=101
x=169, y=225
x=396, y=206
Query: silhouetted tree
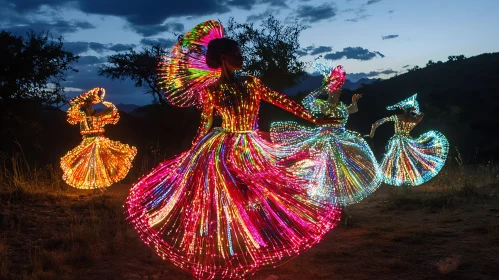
x=271, y=52
x=430, y=63
x=33, y=67
x=415, y=68
x=456, y=57
x=140, y=67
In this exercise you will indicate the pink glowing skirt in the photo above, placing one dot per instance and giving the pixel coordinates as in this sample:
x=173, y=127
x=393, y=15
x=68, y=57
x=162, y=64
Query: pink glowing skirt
x=226, y=208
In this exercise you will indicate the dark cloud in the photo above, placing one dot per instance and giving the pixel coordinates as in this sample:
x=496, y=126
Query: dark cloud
x=150, y=12
x=353, y=77
x=357, y=53
x=81, y=47
x=305, y=51
x=311, y=14
x=391, y=11
x=373, y=2
x=90, y=60
x=405, y=66
x=242, y=4
x=358, y=18
x=165, y=42
x=121, y=47
x=248, y=4
x=321, y=49
x=265, y=14
x=360, y=14
x=56, y=28
x=98, y=47
x=152, y=30
x=116, y=91
x=76, y=47
x=301, y=52
x=389, y=37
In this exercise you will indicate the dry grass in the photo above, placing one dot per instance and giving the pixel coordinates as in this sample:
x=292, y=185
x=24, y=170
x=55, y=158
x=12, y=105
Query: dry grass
x=446, y=229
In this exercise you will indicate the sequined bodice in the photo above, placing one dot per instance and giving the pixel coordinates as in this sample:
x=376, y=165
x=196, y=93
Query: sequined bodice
x=339, y=111
x=403, y=128
x=237, y=104
x=91, y=125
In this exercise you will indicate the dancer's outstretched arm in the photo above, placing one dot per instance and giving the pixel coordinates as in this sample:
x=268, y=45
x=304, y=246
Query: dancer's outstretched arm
x=75, y=114
x=380, y=122
x=283, y=102
x=111, y=115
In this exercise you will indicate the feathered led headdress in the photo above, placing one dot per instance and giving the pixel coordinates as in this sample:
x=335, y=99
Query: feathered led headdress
x=185, y=72
x=410, y=103
x=334, y=78
x=97, y=93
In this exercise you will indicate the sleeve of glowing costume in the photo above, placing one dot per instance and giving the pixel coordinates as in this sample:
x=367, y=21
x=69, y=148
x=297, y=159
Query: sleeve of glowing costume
x=206, y=117
x=380, y=122
x=113, y=117
x=75, y=115
x=281, y=101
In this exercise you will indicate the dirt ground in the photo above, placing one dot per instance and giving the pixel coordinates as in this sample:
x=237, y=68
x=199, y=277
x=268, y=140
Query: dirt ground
x=421, y=234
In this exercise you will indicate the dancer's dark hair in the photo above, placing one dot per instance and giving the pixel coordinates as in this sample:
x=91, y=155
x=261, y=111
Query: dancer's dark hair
x=218, y=47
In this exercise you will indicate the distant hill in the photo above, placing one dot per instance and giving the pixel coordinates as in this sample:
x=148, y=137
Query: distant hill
x=312, y=82
x=127, y=107
x=459, y=98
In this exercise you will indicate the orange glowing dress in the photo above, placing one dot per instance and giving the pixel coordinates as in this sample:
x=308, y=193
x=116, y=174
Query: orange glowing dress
x=96, y=162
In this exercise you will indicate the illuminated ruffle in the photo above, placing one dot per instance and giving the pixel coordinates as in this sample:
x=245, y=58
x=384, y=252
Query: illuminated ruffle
x=341, y=167
x=226, y=208
x=413, y=162
x=185, y=72
x=97, y=162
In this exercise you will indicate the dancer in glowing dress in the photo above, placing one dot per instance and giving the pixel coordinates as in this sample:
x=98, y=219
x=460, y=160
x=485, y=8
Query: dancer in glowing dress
x=343, y=168
x=410, y=161
x=96, y=162
x=226, y=207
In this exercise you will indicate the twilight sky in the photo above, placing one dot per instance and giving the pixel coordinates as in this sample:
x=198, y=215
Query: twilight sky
x=371, y=38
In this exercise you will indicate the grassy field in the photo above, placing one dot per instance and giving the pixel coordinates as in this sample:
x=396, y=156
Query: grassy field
x=445, y=229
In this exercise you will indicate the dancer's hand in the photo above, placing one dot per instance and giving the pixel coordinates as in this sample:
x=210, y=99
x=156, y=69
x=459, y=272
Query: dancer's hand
x=371, y=135
x=356, y=98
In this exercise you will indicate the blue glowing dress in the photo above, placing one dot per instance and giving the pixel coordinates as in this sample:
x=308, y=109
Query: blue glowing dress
x=342, y=166
x=410, y=161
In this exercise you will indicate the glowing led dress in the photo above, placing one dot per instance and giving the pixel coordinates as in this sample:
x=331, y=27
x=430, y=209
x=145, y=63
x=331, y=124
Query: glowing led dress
x=96, y=162
x=227, y=207
x=342, y=167
x=410, y=161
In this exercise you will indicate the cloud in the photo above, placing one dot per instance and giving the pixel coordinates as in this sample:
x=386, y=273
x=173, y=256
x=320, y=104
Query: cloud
x=312, y=14
x=165, y=42
x=391, y=11
x=357, y=53
x=121, y=47
x=152, y=30
x=90, y=60
x=389, y=37
x=321, y=49
x=370, y=2
x=360, y=14
x=116, y=91
x=354, y=77
x=265, y=14
x=56, y=28
x=358, y=18
x=81, y=47
x=405, y=66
